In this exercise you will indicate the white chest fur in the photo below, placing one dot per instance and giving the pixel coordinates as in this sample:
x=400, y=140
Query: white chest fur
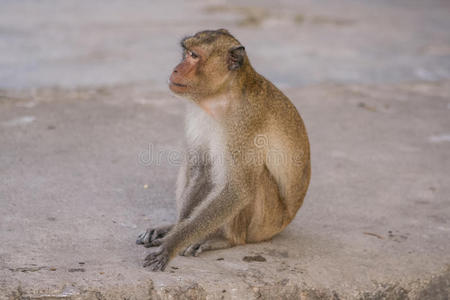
x=206, y=138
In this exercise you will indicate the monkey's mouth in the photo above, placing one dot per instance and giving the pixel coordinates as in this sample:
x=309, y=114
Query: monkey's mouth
x=178, y=84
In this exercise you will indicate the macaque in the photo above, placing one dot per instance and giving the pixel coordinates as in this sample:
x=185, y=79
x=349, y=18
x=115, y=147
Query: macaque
x=247, y=167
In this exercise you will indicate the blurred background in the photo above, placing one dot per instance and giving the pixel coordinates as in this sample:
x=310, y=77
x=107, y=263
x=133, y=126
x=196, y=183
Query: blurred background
x=87, y=127
x=76, y=43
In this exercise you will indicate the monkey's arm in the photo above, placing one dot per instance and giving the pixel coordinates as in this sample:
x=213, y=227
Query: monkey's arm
x=219, y=207
x=193, y=188
x=193, y=185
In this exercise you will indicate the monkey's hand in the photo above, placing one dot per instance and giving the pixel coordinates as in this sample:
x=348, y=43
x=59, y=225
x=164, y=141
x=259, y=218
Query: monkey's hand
x=152, y=237
x=158, y=259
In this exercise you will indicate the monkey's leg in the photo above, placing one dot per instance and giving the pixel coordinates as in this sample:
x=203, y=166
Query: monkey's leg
x=153, y=236
x=209, y=244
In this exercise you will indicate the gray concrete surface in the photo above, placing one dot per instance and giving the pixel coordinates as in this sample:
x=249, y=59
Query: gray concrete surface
x=89, y=140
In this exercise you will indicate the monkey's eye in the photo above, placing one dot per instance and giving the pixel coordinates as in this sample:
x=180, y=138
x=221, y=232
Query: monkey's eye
x=191, y=54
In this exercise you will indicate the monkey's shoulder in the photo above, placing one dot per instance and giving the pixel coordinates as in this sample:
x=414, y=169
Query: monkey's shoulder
x=269, y=95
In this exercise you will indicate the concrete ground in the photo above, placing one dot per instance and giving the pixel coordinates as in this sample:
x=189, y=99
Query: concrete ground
x=90, y=140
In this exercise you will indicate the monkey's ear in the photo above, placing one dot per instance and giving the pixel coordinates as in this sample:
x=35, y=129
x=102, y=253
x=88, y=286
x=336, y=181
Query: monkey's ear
x=223, y=30
x=236, y=57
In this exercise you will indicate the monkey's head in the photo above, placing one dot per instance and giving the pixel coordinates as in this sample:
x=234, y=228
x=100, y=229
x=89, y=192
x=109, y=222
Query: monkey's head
x=211, y=60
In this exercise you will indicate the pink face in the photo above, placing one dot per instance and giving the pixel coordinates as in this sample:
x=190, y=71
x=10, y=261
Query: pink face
x=182, y=77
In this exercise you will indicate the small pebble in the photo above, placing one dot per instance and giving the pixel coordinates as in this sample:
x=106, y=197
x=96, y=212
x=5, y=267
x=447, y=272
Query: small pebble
x=76, y=270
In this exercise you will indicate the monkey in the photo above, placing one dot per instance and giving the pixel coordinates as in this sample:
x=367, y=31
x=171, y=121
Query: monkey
x=247, y=167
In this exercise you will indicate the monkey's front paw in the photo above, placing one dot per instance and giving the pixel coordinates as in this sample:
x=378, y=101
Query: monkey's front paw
x=193, y=250
x=151, y=237
x=158, y=259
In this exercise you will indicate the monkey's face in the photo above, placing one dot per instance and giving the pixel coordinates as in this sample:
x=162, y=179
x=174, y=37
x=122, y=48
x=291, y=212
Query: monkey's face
x=184, y=78
x=210, y=60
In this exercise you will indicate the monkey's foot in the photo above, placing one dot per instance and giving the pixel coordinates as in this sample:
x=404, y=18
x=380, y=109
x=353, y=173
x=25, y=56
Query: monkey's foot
x=153, y=236
x=212, y=244
x=157, y=260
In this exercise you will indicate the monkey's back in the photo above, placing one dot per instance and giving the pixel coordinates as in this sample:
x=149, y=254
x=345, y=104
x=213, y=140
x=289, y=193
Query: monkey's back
x=279, y=134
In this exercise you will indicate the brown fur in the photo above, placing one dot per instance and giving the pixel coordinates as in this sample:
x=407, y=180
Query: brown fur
x=254, y=166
